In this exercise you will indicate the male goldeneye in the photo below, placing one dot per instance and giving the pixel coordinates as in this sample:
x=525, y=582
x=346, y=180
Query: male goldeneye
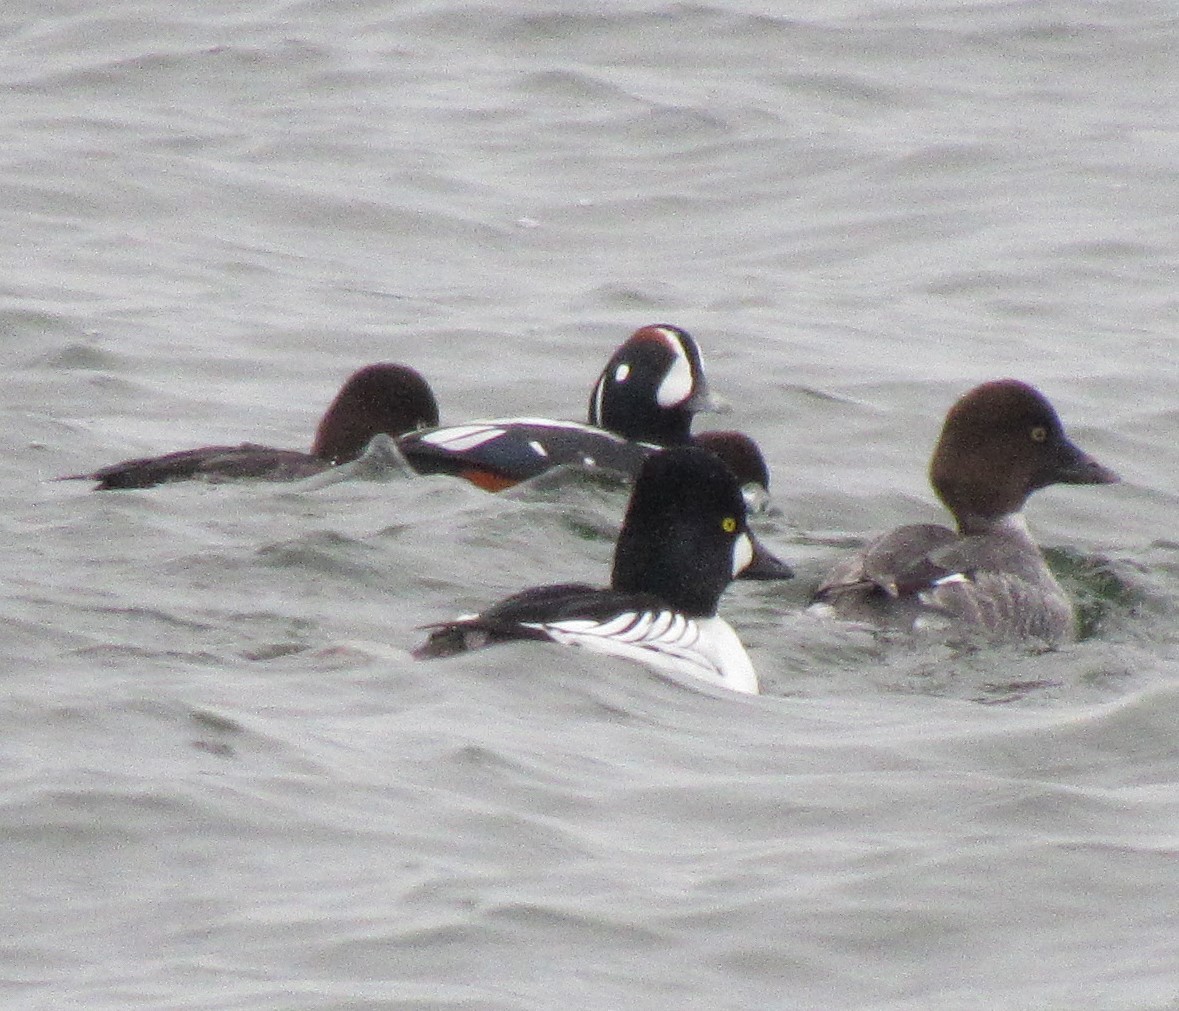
x=1001, y=441
x=381, y=398
x=683, y=540
x=645, y=397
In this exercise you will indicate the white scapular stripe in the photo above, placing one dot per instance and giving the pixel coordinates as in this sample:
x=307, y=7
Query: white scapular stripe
x=463, y=437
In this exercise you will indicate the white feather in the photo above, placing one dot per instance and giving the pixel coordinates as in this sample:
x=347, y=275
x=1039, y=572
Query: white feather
x=742, y=554
x=667, y=642
x=463, y=437
x=677, y=384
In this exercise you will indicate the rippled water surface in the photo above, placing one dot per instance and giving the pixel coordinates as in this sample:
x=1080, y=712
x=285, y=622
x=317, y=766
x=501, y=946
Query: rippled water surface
x=225, y=784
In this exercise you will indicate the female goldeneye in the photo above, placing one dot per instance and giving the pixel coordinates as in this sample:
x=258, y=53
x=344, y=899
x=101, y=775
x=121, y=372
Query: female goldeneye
x=744, y=459
x=381, y=398
x=683, y=540
x=1001, y=442
x=645, y=397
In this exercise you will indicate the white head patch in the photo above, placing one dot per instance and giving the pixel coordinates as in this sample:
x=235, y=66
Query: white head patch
x=622, y=373
x=742, y=554
x=677, y=384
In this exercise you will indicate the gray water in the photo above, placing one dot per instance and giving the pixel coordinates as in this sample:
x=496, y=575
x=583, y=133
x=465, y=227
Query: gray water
x=224, y=783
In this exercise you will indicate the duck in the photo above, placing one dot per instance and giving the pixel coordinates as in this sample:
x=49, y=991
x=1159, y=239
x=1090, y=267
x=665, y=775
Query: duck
x=745, y=460
x=381, y=398
x=986, y=577
x=644, y=400
x=684, y=538
x=652, y=387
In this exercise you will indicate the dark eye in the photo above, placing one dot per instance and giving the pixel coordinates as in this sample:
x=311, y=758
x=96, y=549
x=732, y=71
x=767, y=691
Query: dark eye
x=1039, y=433
x=729, y=524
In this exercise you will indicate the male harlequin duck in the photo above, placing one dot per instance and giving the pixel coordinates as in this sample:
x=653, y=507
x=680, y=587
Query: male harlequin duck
x=644, y=399
x=1001, y=442
x=381, y=398
x=652, y=387
x=684, y=538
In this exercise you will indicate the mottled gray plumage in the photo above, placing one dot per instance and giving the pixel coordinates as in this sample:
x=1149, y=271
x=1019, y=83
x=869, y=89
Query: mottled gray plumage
x=1000, y=442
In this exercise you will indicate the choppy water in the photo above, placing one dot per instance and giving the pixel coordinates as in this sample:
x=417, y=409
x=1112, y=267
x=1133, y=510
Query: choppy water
x=224, y=784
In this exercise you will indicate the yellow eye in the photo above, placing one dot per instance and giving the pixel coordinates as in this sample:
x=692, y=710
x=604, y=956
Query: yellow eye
x=1039, y=433
x=729, y=525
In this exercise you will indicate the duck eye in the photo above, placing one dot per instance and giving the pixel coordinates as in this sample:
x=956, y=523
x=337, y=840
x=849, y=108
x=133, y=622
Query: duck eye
x=1039, y=433
x=729, y=525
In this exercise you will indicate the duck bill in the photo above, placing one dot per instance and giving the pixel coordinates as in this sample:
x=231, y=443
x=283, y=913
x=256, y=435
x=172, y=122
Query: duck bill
x=764, y=564
x=705, y=401
x=757, y=497
x=1075, y=466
